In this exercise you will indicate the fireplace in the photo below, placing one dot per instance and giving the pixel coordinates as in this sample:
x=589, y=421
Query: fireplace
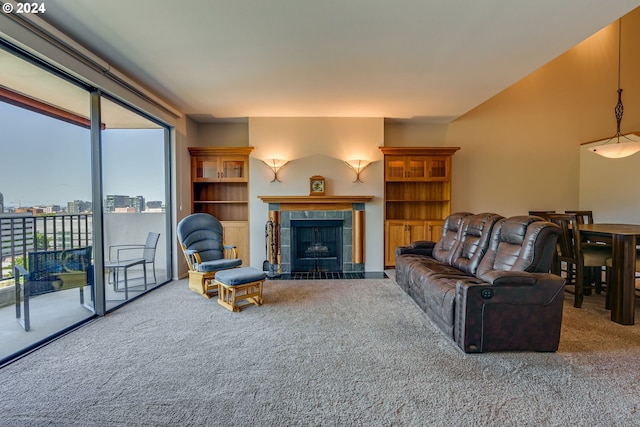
x=316, y=245
x=344, y=214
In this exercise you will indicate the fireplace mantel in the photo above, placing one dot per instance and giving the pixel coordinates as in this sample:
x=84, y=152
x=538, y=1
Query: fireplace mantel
x=324, y=203
x=315, y=199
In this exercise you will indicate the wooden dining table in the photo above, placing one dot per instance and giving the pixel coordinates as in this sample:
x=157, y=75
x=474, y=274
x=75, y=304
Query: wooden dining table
x=623, y=238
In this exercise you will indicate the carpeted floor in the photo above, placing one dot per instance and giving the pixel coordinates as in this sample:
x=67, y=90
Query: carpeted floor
x=317, y=353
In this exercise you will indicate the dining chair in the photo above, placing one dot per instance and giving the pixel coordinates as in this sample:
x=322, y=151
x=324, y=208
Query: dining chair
x=541, y=214
x=583, y=217
x=584, y=263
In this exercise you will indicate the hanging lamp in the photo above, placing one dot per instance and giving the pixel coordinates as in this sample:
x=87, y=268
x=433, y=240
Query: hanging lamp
x=619, y=145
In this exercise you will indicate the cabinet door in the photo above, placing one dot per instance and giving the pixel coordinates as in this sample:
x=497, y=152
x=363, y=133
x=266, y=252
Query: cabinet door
x=394, y=168
x=233, y=169
x=395, y=233
x=215, y=169
x=438, y=168
x=417, y=230
x=435, y=230
x=237, y=233
x=205, y=169
x=402, y=233
x=416, y=168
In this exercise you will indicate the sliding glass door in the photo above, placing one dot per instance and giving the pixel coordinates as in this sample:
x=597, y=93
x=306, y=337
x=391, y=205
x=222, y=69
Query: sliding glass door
x=84, y=191
x=45, y=209
x=134, y=202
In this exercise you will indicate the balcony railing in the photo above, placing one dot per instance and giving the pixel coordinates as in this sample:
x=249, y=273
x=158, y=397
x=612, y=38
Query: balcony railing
x=20, y=234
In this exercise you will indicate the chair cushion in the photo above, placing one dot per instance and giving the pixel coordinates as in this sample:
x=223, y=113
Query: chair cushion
x=239, y=276
x=217, y=264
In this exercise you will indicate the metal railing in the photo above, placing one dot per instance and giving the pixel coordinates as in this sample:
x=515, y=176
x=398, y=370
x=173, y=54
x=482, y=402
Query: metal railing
x=20, y=234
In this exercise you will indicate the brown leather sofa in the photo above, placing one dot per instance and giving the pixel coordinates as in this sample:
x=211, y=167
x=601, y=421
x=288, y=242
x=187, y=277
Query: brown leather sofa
x=486, y=282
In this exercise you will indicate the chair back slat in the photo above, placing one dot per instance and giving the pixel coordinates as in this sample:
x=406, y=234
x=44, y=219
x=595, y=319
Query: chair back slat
x=583, y=217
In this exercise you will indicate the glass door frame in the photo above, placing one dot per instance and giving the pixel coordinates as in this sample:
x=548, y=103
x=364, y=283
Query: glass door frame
x=98, y=195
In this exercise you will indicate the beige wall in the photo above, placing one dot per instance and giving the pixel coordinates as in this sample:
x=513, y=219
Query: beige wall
x=409, y=133
x=234, y=133
x=317, y=146
x=521, y=148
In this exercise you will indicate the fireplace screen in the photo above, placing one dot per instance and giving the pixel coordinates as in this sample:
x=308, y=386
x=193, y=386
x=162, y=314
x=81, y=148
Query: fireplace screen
x=316, y=245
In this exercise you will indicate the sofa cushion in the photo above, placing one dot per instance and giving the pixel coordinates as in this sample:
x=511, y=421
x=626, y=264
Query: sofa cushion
x=451, y=232
x=520, y=243
x=474, y=241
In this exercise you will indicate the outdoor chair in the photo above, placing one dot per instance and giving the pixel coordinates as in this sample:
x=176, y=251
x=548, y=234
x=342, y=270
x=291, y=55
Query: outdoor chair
x=125, y=256
x=52, y=271
x=201, y=238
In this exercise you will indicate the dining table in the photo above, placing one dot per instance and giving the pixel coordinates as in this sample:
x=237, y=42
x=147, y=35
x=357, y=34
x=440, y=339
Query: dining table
x=622, y=276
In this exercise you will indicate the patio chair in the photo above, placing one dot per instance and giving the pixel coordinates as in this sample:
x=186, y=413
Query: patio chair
x=51, y=271
x=201, y=238
x=125, y=256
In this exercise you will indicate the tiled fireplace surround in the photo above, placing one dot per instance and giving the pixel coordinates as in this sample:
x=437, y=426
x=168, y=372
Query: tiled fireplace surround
x=347, y=236
x=284, y=213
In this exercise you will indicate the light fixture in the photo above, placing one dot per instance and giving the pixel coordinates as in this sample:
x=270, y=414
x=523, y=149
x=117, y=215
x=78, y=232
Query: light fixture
x=358, y=166
x=275, y=165
x=614, y=147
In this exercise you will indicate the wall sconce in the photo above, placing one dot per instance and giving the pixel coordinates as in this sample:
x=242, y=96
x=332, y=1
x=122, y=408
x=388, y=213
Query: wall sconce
x=358, y=166
x=275, y=165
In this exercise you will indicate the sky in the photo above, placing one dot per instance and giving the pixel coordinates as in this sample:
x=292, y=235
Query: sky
x=45, y=161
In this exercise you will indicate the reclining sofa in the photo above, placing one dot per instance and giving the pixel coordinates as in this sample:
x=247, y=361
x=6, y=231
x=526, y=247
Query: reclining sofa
x=486, y=282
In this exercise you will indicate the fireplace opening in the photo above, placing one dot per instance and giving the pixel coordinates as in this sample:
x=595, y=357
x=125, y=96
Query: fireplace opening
x=316, y=245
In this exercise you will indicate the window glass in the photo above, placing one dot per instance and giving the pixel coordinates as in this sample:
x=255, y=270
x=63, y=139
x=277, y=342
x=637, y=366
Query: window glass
x=134, y=206
x=45, y=205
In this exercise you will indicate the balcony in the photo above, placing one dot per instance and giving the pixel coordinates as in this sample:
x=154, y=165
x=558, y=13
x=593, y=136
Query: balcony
x=54, y=312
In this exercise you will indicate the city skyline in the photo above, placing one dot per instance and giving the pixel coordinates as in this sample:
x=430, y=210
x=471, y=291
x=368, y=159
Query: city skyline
x=132, y=202
x=45, y=161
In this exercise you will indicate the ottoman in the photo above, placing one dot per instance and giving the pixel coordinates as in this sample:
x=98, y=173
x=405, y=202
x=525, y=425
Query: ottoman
x=239, y=287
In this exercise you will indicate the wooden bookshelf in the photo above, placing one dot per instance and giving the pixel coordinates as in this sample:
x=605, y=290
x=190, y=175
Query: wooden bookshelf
x=417, y=195
x=220, y=187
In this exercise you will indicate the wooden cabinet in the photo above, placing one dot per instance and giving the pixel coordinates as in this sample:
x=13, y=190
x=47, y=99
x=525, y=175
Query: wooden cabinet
x=224, y=169
x=417, y=195
x=401, y=233
x=417, y=168
x=220, y=187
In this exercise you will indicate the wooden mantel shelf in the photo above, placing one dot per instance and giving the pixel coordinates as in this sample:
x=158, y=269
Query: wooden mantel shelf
x=315, y=199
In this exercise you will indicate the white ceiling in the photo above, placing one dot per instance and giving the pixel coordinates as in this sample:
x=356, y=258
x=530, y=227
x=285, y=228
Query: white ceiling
x=428, y=59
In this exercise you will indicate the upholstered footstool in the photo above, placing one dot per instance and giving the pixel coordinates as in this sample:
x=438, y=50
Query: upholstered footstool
x=239, y=287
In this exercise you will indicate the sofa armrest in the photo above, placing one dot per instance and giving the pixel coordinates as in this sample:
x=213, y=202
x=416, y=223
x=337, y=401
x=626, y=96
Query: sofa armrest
x=520, y=311
x=509, y=278
x=419, y=247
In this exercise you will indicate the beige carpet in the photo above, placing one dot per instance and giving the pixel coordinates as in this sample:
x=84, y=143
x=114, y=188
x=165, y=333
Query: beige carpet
x=317, y=353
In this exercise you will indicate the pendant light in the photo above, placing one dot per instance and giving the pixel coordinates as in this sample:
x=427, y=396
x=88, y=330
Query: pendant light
x=619, y=145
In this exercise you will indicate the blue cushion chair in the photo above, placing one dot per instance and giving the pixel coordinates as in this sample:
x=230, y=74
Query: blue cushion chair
x=201, y=237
